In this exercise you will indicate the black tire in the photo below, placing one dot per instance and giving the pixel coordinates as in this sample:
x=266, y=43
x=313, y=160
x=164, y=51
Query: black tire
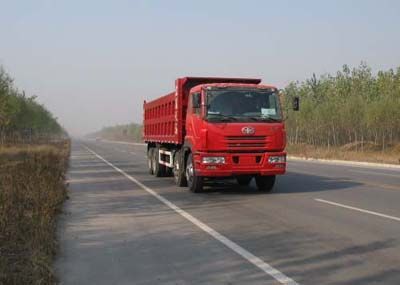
x=168, y=172
x=150, y=160
x=244, y=180
x=195, y=183
x=265, y=183
x=179, y=170
x=158, y=169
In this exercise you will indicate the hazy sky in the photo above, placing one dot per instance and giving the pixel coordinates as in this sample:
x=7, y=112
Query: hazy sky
x=92, y=63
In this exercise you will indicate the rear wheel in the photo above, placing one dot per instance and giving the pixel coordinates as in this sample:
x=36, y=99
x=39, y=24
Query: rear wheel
x=158, y=169
x=265, y=183
x=244, y=180
x=150, y=160
x=195, y=183
x=179, y=170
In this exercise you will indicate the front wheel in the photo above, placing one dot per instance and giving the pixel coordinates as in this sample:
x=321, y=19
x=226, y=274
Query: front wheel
x=244, y=180
x=195, y=183
x=265, y=183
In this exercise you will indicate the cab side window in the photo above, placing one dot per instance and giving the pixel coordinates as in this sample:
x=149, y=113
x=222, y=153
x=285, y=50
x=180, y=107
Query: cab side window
x=195, y=103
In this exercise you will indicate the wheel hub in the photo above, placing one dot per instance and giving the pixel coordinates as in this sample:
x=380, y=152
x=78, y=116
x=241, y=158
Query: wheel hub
x=189, y=172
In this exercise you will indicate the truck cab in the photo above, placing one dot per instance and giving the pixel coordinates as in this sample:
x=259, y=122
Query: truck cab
x=235, y=130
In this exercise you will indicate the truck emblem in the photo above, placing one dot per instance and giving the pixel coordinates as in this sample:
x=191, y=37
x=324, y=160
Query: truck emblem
x=248, y=130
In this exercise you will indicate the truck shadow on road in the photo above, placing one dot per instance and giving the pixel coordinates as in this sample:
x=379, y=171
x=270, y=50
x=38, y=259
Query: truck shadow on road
x=290, y=183
x=294, y=182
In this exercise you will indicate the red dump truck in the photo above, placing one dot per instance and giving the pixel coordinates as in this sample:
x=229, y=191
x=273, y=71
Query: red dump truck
x=213, y=128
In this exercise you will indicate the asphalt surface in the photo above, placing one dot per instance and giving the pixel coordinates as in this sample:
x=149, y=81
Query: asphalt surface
x=323, y=224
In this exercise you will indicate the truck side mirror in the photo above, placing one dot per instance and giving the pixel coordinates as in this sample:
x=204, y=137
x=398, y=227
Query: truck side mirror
x=296, y=103
x=196, y=99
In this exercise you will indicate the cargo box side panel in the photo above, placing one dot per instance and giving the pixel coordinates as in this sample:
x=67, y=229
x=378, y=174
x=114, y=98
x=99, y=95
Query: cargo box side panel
x=160, y=120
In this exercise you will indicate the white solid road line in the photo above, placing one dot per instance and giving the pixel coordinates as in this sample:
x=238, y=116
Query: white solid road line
x=345, y=162
x=375, y=173
x=359, y=209
x=276, y=274
x=309, y=159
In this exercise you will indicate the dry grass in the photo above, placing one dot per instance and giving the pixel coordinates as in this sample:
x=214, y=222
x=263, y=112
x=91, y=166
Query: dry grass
x=32, y=191
x=369, y=153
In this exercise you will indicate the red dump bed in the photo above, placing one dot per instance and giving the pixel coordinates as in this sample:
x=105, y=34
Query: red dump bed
x=164, y=117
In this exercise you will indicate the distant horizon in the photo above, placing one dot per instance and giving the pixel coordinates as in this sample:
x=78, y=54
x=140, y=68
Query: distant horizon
x=140, y=123
x=93, y=63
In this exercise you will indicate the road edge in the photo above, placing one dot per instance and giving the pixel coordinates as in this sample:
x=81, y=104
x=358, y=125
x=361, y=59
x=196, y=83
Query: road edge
x=344, y=162
x=122, y=142
x=300, y=158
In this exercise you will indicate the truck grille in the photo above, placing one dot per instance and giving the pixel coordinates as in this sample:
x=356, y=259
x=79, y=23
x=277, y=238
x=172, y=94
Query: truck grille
x=246, y=141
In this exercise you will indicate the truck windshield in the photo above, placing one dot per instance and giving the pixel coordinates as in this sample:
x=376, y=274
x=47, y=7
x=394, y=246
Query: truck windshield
x=243, y=105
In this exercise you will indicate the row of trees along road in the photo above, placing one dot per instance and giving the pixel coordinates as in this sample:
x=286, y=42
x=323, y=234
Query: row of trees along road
x=22, y=118
x=354, y=106
x=127, y=132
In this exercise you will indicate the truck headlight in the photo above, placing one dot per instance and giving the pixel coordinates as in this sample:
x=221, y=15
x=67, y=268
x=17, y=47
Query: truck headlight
x=277, y=159
x=213, y=160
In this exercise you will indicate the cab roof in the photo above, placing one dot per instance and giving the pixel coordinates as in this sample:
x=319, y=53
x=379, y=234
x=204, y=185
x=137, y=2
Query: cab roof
x=223, y=85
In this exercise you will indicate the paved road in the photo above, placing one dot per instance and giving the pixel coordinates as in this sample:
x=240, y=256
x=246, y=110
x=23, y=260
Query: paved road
x=324, y=224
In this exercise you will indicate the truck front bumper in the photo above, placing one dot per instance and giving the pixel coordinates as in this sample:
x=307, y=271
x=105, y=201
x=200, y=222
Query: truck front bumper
x=240, y=164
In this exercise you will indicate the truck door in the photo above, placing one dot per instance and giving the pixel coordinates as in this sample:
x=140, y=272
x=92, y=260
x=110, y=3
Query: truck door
x=193, y=117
